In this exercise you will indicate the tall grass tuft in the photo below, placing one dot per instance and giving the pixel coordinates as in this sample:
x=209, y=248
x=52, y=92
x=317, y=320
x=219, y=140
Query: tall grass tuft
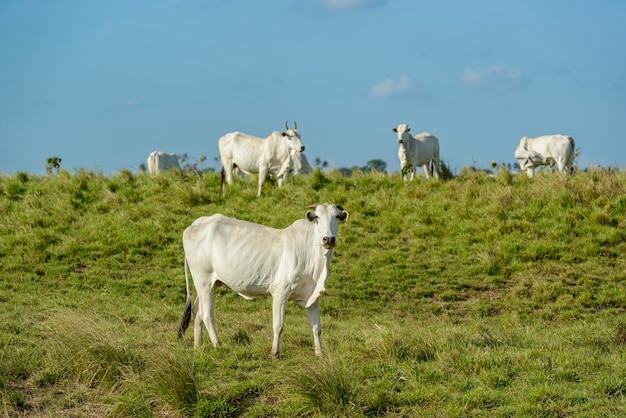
x=386, y=345
x=92, y=349
x=620, y=334
x=173, y=379
x=319, y=180
x=328, y=387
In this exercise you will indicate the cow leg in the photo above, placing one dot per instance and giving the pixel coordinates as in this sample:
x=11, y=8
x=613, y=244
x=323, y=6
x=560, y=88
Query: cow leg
x=228, y=170
x=279, y=303
x=436, y=166
x=530, y=172
x=427, y=170
x=560, y=163
x=313, y=312
x=206, y=313
x=197, y=323
x=262, y=174
x=282, y=174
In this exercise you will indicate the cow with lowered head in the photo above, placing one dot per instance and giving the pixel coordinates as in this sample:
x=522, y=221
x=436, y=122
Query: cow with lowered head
x=159, y=161
x=262, y=156
x=545, y=150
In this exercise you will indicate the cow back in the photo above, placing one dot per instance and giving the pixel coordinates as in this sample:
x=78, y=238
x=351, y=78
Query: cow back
x=423, y=148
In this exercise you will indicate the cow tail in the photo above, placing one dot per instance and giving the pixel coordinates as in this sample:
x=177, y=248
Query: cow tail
x=184, y=323
x=572, y=154
x=223, y=180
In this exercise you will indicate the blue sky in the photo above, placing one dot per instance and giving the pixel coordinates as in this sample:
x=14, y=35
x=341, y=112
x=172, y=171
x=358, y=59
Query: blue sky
x=101, y=84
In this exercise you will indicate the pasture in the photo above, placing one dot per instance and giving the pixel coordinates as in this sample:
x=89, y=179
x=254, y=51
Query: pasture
x=476, y=296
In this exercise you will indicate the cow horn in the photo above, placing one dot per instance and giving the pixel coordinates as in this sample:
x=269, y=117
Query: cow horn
x=295, y=125
x=286, y=126
x=312, y=206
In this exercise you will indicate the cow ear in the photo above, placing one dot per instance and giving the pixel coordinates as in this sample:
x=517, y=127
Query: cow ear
x=311, y=217
x=284, y=133
x=394, y=129
x=343, y=215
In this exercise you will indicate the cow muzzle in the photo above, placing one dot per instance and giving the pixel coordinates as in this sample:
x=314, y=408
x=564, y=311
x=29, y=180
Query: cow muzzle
x=329, y=242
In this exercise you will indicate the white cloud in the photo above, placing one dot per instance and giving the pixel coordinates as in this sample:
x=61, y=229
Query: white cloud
x=390, y=87
x=496, y=78
x=353, y=4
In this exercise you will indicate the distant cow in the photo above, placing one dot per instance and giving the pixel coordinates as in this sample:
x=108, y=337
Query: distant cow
x=256, y=260
x=159, y=161
x=417, y=150
x=299, y=164
x=262, y=156
x=546, y=150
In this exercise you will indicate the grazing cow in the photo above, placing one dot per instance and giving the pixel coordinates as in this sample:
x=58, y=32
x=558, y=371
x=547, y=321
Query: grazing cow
x=159, y=161
x=256, y=260
x=417, y=150
x=261, y=156
x=545, y=150
x=299, y=164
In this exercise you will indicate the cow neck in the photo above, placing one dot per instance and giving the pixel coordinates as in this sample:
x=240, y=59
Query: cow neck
x=317, y=259
x=320, y=262
x=279, y=145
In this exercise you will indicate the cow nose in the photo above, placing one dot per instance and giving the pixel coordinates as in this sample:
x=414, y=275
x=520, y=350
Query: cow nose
x=329, y=242
x=302, y=148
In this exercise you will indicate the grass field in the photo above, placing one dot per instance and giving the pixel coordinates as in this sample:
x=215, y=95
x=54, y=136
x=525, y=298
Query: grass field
x=476, y=296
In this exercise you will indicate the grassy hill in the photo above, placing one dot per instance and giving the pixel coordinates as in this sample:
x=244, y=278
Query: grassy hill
x=476, y=296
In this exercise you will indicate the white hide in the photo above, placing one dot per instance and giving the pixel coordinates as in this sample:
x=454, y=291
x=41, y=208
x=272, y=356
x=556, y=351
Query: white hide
x=262, y=156
x=418, y=150
x=159, y=161
x=256, y=260
x=299, y=164
x=545, y=150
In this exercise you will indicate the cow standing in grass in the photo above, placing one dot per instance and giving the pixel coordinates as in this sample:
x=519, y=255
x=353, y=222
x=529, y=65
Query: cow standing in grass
x=419, y=150
x=159, y=161
x=262, y=156
x=256, y=260
x=546, y=150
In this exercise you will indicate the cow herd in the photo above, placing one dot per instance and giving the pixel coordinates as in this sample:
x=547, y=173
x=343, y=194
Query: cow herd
x=283, y=152
x=292, y=264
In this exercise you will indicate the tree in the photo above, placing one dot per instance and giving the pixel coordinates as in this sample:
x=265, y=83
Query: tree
x=53, y=163
x=376, y=165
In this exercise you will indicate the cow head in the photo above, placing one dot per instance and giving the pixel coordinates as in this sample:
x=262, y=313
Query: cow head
x=404, y=132
x=326, y=219
x=293, y=137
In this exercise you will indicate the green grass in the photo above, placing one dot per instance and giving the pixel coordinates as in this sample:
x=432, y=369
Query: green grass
x=475, y=296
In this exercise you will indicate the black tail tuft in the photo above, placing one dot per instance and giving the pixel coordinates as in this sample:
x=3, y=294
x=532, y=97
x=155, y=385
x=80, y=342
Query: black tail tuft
x=184, y=323
x=223, y=180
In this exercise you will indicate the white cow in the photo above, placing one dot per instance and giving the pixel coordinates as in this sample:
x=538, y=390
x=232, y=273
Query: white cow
x=299, y=164
x=256, y=260
x=417, y=150
x=159, y=161
x=546, y=150
x=262, y=156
